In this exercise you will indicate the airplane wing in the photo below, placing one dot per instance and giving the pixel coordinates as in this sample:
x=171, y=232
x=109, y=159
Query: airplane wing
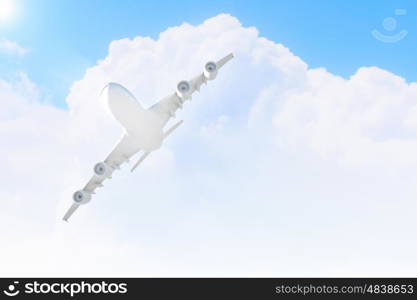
x=167, y=107
x=121, y=153
x=70, y=211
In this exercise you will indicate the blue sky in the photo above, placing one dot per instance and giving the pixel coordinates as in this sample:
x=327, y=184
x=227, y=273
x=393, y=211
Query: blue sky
x=66, y=37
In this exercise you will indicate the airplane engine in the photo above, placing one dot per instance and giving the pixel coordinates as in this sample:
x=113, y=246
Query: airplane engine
x=183, y=89
x=102, y=169
x=210, y=70
x=81, y=197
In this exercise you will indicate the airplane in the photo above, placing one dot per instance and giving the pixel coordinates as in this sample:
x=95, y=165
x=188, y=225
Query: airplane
x=143, y=128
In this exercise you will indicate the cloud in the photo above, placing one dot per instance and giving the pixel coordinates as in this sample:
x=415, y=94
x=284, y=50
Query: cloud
x=13, y=48
x=278, y=170
x=366, y=119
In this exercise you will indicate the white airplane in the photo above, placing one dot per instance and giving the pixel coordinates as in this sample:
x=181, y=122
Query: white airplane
x=143, y=127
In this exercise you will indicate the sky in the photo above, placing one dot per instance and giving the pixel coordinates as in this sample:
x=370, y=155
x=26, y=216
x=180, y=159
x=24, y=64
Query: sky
x=298, y=160
x=65, y=37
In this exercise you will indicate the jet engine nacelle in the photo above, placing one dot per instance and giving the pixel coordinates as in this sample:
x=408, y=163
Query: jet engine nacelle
x=102, y=169
x=183, y=89
x=210, y=70
x=81, y=197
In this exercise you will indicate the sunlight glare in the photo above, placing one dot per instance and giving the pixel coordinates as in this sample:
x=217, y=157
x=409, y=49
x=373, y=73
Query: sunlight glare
x=6, y=9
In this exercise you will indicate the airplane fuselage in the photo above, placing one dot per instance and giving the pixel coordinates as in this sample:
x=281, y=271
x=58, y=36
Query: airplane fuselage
x=143, y=125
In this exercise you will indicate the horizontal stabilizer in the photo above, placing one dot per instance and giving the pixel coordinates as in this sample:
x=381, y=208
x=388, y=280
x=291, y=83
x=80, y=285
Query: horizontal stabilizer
x=169, y=131
x=141, y=159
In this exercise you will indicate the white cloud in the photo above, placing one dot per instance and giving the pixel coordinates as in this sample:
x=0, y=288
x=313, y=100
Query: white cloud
x=365, y=119
x=11, y=47
x=278, y=170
